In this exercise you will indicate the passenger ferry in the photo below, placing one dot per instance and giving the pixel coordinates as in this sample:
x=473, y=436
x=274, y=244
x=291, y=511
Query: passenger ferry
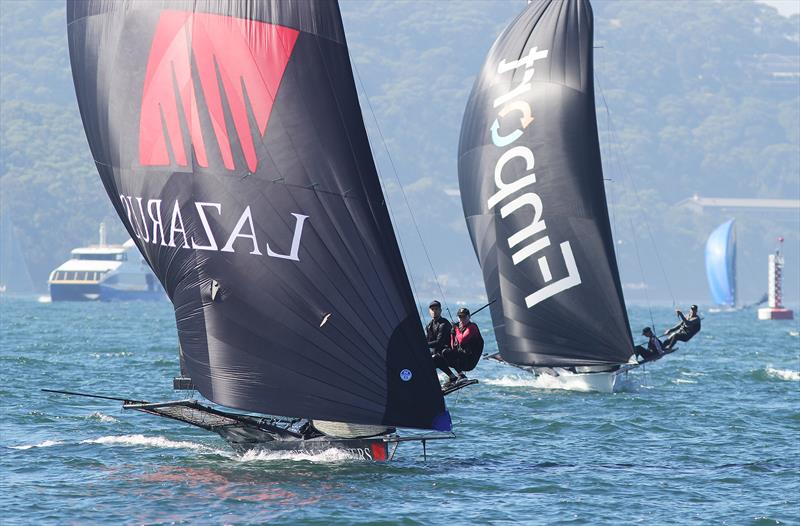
x=105, y=272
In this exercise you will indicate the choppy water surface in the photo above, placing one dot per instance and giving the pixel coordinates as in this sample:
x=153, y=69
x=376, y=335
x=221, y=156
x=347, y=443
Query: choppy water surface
x=709, y=435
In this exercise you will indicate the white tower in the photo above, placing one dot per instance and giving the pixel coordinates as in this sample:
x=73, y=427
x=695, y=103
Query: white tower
x=775, y=310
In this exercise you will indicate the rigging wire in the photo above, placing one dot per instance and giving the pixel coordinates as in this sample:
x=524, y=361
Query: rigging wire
x=646, y=295
x=402, y=190
x=403, y=252
x=625, y=172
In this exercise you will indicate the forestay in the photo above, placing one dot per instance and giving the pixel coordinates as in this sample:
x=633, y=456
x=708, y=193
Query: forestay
x=230, y=140
x=532, y=190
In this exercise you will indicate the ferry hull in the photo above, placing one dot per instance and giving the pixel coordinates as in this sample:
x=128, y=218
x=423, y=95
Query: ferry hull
x=114, y=294
x=74, y=292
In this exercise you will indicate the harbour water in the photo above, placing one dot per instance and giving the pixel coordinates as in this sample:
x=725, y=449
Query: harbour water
x=709, y=435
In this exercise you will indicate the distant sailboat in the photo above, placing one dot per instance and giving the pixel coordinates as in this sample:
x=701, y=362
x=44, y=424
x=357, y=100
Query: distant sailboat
x=532, y=191
x=721, y=257
x=231, y=142
x=721, y=264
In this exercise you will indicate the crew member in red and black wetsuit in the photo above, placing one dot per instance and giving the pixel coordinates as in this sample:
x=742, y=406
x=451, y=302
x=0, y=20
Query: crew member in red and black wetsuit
x=466, y=346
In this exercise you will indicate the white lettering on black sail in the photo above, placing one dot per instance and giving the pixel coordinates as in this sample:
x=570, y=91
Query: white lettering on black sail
x=237, y=129
x=512, y=102
x=300, y=220
x=531, y=186
x=246, y=217
x=201, y=212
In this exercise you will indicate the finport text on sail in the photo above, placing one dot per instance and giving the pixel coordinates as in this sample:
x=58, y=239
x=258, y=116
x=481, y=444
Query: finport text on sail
x=511, y=102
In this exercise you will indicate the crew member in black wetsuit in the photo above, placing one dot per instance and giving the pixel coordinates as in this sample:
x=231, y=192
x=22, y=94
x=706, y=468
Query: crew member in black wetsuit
x=654, y=350
x=438, y=330
x=466, y=346
x=685, y=329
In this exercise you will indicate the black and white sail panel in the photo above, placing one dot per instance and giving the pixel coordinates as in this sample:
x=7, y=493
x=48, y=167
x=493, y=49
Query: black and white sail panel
x=532, y=191
x=230, y=140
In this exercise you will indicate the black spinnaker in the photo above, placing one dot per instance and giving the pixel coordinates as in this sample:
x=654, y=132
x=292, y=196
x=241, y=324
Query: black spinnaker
x=532, y=190
x=230, y=140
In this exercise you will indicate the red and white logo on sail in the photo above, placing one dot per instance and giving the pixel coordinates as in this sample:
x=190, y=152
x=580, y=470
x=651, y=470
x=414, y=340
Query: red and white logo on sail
x=245, y=58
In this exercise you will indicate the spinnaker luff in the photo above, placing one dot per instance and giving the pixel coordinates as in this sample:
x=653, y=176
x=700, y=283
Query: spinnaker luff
x=721, y=264
x=229, y=138
x=532, y=190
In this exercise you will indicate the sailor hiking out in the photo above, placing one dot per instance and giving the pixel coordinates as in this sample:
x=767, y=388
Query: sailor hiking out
x=437, y=332
x=685, y=329
x=466, y=347
x=654, y=349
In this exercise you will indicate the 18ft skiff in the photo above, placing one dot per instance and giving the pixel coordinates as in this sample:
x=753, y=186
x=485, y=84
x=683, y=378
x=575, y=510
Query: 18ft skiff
x=230, y=140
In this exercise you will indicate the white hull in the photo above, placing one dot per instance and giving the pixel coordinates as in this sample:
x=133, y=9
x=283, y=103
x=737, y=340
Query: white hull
x=601, y=381
x=591, y=379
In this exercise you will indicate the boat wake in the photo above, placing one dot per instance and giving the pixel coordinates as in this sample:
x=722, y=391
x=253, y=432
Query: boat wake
x=512, y=381
x=100, y=417
x=154, y=442
x=783, y=374
x=46, y=443
x=692, y=373
x=546, y=381
x=329, y=456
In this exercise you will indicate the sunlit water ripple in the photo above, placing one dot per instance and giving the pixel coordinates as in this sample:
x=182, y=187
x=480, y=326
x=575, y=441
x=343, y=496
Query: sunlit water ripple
x=707, y=436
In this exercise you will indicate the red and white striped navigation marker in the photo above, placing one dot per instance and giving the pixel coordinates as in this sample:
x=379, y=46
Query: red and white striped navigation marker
x=775, y=310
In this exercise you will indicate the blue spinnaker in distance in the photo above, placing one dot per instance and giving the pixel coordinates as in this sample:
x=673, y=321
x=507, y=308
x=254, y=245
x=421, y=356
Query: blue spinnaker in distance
x=721, y=264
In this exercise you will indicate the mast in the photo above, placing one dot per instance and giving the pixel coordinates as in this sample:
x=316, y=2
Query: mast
x=734, y=259
x=533, y=195
x=230, y=140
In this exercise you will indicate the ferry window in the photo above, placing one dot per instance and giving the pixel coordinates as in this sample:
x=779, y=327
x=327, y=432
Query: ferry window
x=100, y=257
x=85, y=276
